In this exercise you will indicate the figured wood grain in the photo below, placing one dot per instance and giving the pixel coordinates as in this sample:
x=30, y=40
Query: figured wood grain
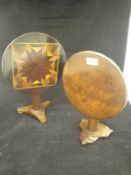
x=95, y=86
x=96, y=89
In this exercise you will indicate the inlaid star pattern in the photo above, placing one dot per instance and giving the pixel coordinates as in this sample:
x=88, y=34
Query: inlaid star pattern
x=34, y=65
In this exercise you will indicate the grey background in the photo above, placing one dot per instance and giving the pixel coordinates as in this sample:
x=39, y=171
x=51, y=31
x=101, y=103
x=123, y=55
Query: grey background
x=29, y=148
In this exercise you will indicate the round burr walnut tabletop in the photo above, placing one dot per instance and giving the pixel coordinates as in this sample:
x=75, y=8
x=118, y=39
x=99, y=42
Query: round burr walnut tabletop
x=95, y=86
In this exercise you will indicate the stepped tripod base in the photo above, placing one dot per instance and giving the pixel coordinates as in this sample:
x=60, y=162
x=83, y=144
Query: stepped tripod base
x=92, y=130
x=37, y=109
